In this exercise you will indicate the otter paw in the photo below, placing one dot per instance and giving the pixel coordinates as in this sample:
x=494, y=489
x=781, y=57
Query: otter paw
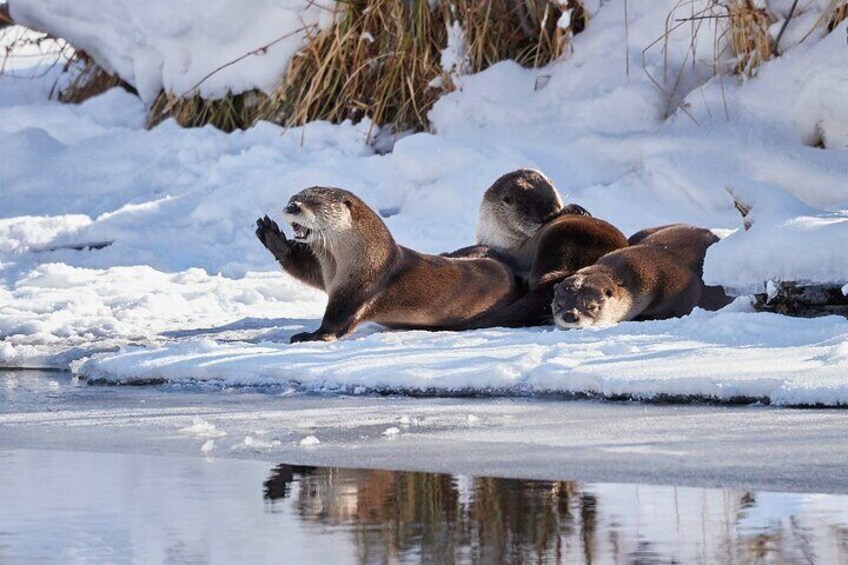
x=575, y=209
x=312, y=336
x=271, y=237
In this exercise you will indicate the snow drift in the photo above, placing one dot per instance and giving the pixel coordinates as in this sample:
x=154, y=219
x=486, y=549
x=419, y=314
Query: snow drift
x=725, y=356
x=178, y=206
x=176, y=46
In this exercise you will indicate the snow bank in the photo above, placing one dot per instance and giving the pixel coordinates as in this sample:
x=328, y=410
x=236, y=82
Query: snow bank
x=787, y=241
x=723, y=356
x=176, y=209
x=54, y=309
x=175, y=45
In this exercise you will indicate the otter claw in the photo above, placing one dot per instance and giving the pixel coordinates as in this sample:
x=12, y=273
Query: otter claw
x=312, y=336
x=575, y=209
x=271, y=237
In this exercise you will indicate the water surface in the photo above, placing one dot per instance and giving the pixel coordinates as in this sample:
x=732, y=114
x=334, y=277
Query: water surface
x=60, y=506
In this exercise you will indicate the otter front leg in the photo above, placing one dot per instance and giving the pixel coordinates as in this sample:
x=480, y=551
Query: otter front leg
x=342, y=315
x=297, y=259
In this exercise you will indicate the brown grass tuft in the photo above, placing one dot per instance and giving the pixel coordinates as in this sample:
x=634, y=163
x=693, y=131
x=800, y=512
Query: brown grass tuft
x=228, y=113
x=748, y=35
x=837, y=15
x=382, y=59
x=88, y=79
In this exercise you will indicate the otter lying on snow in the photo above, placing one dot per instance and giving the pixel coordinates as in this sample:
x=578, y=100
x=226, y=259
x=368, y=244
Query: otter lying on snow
x=657, y=278
x=341, y=246
x=513, y=210
x=522, y=218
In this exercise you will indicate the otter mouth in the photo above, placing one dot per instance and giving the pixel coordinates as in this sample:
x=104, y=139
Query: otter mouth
x=563, y=325
x=301, y=232
x=566, y=322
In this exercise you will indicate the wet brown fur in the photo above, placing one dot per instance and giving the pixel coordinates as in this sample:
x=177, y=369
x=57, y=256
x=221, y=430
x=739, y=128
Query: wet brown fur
x=689, y=244
x=652, y=281
x=522, y=222
x=562, y=247
x=369, y=277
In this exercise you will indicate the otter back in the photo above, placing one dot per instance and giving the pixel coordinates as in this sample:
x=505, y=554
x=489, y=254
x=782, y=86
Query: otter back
x=689, y=244
x=347, y=250
x=560, y=248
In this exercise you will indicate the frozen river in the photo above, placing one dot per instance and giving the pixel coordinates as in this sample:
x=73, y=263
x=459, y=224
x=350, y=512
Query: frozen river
x=207, y=474
x=764, y=448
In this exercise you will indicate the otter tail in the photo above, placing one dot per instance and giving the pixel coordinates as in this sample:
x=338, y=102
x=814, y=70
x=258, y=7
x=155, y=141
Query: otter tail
x=532, y=309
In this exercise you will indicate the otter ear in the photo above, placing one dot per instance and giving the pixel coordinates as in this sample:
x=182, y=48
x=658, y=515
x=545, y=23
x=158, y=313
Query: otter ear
x=349, y=203
x=507, y=200
x=608, y=292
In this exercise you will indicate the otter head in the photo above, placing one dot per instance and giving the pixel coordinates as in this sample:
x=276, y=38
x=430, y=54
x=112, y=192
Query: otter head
x=321, y=215
x=515, y=207
x=584, y=300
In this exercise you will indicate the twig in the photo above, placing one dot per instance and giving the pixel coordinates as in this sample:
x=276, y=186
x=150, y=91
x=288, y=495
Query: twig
x=710, y=17
x=258, y=51
x=626, y=42
x=743, y=208
x=783, y=27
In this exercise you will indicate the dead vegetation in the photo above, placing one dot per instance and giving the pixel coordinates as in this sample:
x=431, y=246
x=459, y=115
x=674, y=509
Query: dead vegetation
x=837, y=14
x=741, y=35
x=87, y=79
x=748, y=36
x=383, y=59
x=80, y=77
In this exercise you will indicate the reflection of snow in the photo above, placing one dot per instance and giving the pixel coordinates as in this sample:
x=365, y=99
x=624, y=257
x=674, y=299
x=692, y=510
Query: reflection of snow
x=154, y=508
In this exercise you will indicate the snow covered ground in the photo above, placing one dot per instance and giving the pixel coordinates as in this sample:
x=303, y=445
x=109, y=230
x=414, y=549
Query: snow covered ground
x=178, y=270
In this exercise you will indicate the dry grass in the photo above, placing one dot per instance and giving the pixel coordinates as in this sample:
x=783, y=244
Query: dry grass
x=87, y=79
x=81, y=78
x=740, y=38
x=748, y=35
x=382, y=59
x=228, y=113
x=838, y=13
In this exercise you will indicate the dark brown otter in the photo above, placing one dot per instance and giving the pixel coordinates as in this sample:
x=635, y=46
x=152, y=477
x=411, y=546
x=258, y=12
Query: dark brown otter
x=513, y=210
x=522, y=221
x=562, y=247
x=341, y=246
x=689, y=244
x=641, y=282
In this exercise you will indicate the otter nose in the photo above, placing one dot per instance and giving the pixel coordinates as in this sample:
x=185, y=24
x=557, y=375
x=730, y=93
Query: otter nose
x=570, y=317
x=293, y=208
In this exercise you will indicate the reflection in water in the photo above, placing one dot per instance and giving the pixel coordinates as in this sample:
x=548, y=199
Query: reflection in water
x=77, y=507
x=436, y=518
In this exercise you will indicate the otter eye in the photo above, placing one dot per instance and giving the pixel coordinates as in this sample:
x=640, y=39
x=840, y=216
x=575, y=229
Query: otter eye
x=593, y=308
x=348, y=202
x=507, y=200
x=608, y=292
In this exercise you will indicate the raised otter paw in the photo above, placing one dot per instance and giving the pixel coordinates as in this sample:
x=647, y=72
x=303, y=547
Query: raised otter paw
x=272, y=238
x=575, y=209
x=312, y=336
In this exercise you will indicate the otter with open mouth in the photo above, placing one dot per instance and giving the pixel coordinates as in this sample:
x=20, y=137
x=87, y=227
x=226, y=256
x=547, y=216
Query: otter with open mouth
x=343, y=247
